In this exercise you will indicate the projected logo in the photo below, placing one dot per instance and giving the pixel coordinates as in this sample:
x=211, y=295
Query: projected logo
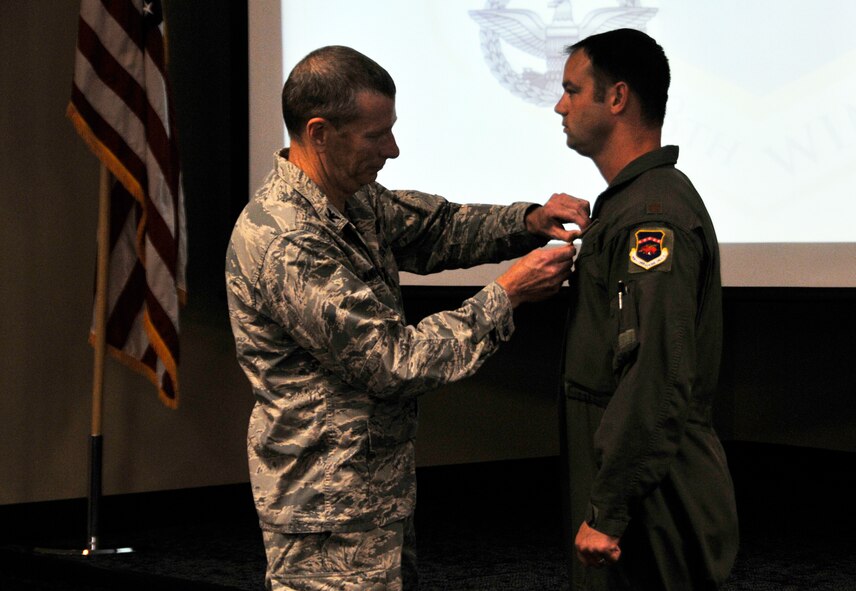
x=503, y=28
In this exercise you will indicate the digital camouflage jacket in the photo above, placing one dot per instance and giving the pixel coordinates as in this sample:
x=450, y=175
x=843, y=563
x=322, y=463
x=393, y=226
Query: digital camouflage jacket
x=316, y=311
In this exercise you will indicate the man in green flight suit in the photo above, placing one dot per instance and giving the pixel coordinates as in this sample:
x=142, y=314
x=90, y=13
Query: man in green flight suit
x=650, y=499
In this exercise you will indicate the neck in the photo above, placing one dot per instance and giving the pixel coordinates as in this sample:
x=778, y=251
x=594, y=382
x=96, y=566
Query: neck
x=309, y=162
x=624, y=149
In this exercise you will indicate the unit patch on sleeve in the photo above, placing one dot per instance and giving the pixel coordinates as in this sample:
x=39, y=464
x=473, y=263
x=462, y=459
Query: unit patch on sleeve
x=651, y=248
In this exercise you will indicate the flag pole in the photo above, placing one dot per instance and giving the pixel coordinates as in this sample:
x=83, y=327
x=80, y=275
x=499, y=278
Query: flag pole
x=96, y=437
x=100, y=346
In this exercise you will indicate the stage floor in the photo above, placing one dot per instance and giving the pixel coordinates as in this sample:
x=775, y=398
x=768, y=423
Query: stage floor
x=797, y=523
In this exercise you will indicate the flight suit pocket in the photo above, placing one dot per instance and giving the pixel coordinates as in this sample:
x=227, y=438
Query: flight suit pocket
x=627, y=337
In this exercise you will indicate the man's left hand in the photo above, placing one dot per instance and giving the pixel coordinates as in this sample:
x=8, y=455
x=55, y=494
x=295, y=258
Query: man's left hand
x=548, y=219
x=596, y=548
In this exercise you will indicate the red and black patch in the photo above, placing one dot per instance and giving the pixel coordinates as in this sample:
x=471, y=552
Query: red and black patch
x=652, y=247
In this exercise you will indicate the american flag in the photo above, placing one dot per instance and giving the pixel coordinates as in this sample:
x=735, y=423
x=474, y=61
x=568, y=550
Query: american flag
x=120, y=106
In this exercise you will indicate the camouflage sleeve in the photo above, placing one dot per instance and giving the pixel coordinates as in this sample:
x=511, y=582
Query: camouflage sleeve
x=430, y=234
x=335, y=315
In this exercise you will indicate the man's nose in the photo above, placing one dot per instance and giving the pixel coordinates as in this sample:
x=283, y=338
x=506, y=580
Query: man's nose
x=391, y=148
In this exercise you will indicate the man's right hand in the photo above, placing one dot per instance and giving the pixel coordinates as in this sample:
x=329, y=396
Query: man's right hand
x=538, y=275
x=548, y=220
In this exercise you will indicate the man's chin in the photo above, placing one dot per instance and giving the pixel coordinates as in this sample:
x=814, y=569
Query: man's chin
x=369, y=177
x=576, y=148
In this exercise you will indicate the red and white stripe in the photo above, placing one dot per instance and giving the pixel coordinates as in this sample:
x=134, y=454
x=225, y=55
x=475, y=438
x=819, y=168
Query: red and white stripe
x=120, y=105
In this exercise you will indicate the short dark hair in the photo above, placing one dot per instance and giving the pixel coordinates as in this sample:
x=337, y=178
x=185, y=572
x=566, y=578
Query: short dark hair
x=631, y=56
x=325, y=84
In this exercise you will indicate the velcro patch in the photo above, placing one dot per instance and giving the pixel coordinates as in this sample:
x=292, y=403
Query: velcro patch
x=651, y=248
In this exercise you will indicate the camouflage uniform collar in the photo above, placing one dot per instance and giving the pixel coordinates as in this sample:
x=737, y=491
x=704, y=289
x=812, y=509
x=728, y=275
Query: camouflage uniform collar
x=300, y=183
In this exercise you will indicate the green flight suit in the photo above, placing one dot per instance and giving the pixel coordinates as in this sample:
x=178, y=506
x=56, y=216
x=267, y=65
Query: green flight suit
x=644, y=462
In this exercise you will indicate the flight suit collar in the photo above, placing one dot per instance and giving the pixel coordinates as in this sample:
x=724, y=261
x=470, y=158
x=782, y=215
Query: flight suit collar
x=665, y=156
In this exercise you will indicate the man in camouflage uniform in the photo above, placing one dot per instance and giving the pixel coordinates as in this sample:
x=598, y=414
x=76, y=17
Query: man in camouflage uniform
x=650, y=496
x=316, y=310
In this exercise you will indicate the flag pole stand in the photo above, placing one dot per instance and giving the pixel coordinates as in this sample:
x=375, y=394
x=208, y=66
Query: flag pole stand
x=96, y=439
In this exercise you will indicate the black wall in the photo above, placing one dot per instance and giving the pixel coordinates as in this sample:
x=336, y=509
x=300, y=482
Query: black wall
x=208, y=67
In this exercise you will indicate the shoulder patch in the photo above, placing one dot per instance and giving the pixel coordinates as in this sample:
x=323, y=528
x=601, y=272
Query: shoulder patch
x=651, y=248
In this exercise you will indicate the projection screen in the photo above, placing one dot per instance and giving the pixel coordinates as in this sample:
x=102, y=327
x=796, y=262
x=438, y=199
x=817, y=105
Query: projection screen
x=762, y=105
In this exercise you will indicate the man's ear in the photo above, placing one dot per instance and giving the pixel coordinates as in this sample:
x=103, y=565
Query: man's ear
x=618, y=97
x=317, y=132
